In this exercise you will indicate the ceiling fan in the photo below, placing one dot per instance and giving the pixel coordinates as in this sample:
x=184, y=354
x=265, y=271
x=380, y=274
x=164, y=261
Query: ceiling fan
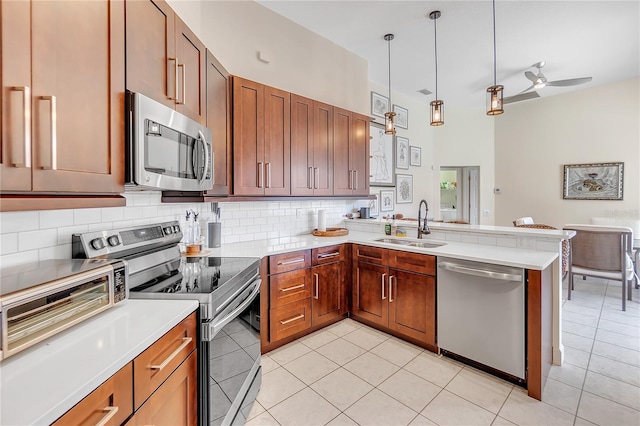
x=539, y=81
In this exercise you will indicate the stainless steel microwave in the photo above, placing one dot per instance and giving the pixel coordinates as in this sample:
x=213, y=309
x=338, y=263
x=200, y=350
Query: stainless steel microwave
x=165, y=149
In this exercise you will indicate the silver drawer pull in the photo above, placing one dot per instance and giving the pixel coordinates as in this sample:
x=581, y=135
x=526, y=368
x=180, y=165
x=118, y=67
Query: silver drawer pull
x=292, y=288
x=26, y=135
x=292, y=319
x=53, y=133
x=315, y=296
x=185, y=343
x=111, y=411
x=328, y=255
x=291, y=262
x=382, y=282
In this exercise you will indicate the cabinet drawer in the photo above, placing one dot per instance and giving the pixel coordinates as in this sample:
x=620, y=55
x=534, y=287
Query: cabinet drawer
x=155, y=364
x=414, y=262
x=289, y=287
x=328, y=254
x=112, y=402
x=286, y=262
x=369, y=254
x=289, y=319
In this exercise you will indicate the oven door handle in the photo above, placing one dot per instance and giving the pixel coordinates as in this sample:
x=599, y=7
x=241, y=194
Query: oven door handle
x=217, y=325
x=205, y=147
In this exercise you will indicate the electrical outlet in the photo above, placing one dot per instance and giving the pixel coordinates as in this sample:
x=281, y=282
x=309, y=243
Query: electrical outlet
x=485, y=212
x=497, y=191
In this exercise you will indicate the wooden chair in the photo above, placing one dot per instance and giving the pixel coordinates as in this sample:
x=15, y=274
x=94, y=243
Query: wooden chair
x=602, y=252
x=565, y=244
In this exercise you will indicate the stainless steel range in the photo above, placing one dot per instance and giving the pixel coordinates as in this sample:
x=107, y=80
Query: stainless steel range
x=228, y=289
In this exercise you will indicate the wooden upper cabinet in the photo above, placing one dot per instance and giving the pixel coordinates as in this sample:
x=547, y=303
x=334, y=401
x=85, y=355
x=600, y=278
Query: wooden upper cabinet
x=261, y=139
x=219, y=121
x=359, y=153
x=311, y=147
x=350, y=153
x=165, y=60
x=63, y=111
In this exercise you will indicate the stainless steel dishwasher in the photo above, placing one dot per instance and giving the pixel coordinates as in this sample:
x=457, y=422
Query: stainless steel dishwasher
x=481, y=316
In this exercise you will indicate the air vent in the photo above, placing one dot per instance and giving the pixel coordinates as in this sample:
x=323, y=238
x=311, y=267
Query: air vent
x=425, y=92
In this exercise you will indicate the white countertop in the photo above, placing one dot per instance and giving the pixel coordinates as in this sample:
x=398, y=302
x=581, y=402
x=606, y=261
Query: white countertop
x=43, y=382
x=509, y=256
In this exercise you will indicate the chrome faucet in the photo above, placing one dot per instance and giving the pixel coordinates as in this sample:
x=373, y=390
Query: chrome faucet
x=425, y=228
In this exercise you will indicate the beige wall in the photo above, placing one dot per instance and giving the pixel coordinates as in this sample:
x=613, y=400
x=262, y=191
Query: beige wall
x=300, y=61
x=535, y=139
x=466, y=139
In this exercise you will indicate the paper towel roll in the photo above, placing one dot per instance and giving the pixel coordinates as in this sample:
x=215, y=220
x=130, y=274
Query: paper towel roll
x=322, y=220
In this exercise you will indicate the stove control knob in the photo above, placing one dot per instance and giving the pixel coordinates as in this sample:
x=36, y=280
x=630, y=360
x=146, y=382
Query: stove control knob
x=168, y=230
x=97, y=244
x=176, y=228
x=113, y=240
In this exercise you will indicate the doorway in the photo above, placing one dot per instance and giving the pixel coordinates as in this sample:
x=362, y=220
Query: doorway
x=459, y=194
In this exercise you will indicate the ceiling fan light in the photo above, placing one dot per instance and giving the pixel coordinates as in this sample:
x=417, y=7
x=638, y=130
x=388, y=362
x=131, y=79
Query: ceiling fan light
x=494, y=100
x=539, y=84
x=389, y=125
x=437, y=113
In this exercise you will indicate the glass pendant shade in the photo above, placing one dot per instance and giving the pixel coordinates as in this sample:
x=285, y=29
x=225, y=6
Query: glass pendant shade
x=437, y=113
x=494, y=100
x=389, y=124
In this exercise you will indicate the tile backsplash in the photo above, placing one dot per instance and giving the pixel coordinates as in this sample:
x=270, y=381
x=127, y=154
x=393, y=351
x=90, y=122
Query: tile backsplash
x=30, y=236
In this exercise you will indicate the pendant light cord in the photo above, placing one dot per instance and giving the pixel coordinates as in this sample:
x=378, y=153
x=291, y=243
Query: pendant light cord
x=494, y=42
x=435, y=42
x=389, y=50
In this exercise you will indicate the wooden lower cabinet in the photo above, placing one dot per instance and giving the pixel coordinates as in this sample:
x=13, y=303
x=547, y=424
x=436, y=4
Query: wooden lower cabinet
x=289, y=319
x=369, y=292
x=175, y=401
x=328, y=297
x=412, y=299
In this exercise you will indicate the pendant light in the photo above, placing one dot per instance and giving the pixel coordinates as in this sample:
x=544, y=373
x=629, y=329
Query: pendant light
x=389, y=125
x=437, y=106
x=494, y=93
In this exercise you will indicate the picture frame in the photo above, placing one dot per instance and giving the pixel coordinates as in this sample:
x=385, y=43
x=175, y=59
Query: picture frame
x=598, y=181
x=402, y=116
x=402, y=152
x=374, y=206
x=381, y=157
x=379, y=104
x=386, y=201
x=415, y=158
x=404, y=189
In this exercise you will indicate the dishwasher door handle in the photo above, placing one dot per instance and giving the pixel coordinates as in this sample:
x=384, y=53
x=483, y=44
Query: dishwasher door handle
x=485, y=273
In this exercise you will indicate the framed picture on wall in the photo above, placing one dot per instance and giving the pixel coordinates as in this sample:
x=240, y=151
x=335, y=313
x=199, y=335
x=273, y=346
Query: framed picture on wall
x=381, y=158
x=402, y=152
x=415, y=156
x=600, y=181
x=386, y=201
x=402, y=116
x=404, y=189
x=379, y=104
x=374, y=206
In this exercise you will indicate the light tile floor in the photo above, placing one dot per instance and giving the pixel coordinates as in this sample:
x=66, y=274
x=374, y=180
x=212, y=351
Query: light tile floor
x=351, y=374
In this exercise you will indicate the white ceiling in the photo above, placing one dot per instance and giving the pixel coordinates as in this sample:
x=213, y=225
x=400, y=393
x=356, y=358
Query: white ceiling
x=599, y=39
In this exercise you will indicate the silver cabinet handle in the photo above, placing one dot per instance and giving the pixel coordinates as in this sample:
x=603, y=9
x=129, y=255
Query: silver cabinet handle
x=184, y=84
x=328, y=255
x=111, y=411
x=358, y=286
x=295, y=287
x=291, y=262
x=310, y=178
x=382, y=283
x=260, y=174
x=317, y=286
x=175, y=80
x=316, y=178
x=205, y=147
x=185, y=342
x=268, y=176
x=53, y=111
x=355, y=180
x=292, y=319
x=391, y=278
x=26, y=135
x=350, y=179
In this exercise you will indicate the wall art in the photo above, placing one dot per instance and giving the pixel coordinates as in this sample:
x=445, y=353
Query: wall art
x=379, y=104
x=402, y=152
x=404, y=189
x=386, y=201
x=402, y=117
x=381, y=158
x=600, y=181
x=415, y=158
x=374, y=206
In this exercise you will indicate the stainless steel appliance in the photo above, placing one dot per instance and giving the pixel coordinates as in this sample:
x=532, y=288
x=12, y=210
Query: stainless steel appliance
x=40, y=299
x=228, y=289
x=481, y=316
x=165, y=149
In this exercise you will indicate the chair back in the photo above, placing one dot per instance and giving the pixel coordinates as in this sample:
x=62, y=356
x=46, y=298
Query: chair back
x=600, y=247
x=527, y=220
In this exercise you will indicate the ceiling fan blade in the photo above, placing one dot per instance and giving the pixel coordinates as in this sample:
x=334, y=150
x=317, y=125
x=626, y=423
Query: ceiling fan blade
x=526, y=90
x=531, y=76
x=569, y=82
x=520, y=97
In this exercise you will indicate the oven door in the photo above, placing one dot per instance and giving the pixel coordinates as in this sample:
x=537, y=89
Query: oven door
x=230, y=360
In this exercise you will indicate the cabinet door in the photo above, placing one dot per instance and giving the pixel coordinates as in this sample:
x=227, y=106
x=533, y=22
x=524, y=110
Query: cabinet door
x=248, y=137
x=412, y=302
x=322, y=149
x=289, y=319
x=191, y=54
x=302, y=134
x=110, y=404
x=277, y=142
x=15, y=150
x=327, y=296
x=359, y=153
x=342, y=173
x=151, y=55
x=219, y=121
x=175, y=402
x=289, y=287
x=370, y=292
x=77, y=73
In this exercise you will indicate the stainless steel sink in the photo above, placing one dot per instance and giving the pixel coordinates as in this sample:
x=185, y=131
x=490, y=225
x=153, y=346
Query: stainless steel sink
x=409, y=243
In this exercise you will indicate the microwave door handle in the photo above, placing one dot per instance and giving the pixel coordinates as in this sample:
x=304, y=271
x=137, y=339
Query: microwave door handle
x=206, y=157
